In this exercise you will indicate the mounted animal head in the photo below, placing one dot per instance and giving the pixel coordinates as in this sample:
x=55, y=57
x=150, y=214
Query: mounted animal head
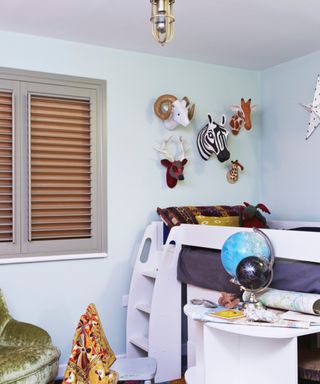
x=174, y=167
x=174, y=112
x=241, y=116
x=233, y=173
x=212, y=138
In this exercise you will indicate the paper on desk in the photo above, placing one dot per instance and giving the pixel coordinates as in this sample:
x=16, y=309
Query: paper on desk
x=203, y=314
x=199, y=312
x=291, y=315
x=289, y=300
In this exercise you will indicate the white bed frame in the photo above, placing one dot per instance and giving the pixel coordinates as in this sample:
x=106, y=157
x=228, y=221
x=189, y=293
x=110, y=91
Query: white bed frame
x=164, y=322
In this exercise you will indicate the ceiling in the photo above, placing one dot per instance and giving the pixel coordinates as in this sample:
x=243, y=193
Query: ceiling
x=251, y=34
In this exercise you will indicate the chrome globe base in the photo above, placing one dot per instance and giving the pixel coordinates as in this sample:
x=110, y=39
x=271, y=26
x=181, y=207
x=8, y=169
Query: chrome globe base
x=252, y=302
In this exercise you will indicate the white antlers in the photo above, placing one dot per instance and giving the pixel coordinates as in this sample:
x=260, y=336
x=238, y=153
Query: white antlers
x=164, y=151
x=184, y=147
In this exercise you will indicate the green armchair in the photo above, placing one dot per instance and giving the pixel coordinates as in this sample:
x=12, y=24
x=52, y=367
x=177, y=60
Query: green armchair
x=27, y=355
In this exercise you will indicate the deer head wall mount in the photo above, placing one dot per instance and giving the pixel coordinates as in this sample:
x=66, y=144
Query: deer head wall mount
x=175, y=167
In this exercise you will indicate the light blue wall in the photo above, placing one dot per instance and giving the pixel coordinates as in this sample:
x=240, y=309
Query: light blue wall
x=290, y=172
x=54, y=294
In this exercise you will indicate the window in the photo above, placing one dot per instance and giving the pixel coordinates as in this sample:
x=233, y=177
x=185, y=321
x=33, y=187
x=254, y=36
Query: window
x=52, y=167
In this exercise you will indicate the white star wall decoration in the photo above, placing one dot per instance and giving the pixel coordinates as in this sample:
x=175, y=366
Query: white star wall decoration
x=314, y=109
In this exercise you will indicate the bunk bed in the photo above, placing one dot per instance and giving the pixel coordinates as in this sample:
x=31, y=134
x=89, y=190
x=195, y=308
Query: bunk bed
x=154, y=320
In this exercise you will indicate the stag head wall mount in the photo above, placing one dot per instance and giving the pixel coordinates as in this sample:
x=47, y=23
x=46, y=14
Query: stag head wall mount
x=173, y=111
x=175, y=167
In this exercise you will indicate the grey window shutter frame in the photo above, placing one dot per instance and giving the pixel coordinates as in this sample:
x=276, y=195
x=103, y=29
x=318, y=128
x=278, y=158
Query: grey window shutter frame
x=38, y=100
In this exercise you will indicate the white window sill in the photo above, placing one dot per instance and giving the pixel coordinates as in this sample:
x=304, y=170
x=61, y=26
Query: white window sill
x=35, y=259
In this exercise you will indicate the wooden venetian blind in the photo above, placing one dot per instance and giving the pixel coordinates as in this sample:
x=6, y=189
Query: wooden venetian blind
x=60, y=168
x=6, y=167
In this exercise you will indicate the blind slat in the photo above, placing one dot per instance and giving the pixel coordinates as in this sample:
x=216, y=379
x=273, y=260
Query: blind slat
x=63, y=134
x=58, y=157
x=60, y=236
x=66, y=219
x=67, y=192
x=53, y=127
x=58, y=163
x=68, y=171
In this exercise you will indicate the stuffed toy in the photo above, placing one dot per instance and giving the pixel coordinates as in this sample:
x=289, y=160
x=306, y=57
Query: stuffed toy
x=250, y=216
x=228, y=300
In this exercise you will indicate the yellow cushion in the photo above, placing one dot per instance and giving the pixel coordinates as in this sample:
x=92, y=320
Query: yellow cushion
x=227, y=221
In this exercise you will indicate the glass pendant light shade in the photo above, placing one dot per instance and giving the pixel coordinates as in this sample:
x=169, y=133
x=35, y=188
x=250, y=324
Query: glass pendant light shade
x=162, y=20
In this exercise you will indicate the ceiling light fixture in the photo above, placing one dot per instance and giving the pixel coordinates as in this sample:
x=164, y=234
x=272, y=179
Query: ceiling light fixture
x=162, y=20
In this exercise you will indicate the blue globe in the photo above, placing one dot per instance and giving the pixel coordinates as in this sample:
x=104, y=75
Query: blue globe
x=241, y=245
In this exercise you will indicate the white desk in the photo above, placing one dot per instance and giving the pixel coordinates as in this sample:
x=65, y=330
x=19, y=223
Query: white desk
x=244, y=354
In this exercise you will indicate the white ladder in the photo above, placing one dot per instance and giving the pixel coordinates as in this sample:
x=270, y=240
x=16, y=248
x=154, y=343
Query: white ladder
x=154, y=305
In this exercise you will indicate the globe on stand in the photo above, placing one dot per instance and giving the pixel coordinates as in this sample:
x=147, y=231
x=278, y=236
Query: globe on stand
x=254, y=275
x=248, y=257
x=241, y=245
x=253, y=272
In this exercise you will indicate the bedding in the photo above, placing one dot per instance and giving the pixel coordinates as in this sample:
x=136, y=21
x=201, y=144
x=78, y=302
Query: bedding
x=202, y=267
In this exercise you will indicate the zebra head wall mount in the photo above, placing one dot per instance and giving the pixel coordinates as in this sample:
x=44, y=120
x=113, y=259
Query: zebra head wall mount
x=212, y=139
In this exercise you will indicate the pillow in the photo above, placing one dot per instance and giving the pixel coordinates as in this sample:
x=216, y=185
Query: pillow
x=172, y=216
x=176, y=215
x=227, y=221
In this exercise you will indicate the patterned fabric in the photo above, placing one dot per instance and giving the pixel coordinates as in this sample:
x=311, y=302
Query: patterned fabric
x=172, y=216
x=91, y=355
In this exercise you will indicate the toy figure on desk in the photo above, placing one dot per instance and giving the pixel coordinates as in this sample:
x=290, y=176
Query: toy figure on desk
x=250, y=216
x=228, y=300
